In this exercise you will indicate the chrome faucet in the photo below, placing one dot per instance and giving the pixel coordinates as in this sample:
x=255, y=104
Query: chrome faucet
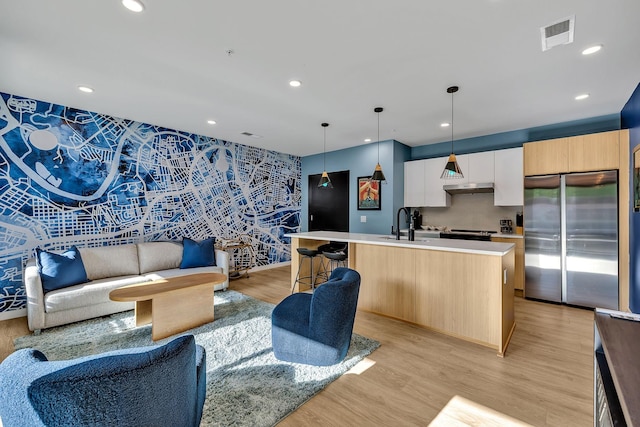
x=407, y=213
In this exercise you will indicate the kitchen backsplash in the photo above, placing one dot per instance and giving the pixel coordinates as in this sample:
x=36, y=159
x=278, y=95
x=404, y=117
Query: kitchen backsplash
x=470, y=211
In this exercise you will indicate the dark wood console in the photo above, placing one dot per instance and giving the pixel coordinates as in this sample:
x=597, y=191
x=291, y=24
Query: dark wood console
x=616, y=368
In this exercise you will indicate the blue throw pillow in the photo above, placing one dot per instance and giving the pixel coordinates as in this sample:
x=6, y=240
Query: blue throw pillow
x=198, y=254
x=59, y=271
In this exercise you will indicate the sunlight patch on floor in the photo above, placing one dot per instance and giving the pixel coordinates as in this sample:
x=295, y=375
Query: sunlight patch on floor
x=361, y=366
x=461, y=412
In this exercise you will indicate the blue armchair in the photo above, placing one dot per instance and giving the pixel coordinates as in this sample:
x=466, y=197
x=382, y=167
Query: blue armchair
x=315, y=329
x=152, y=386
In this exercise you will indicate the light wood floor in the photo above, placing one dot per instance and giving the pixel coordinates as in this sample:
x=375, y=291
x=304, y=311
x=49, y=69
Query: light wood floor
x=546, y=378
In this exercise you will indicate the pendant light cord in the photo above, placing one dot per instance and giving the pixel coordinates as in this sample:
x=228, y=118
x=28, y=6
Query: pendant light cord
x=324, y=150
x=452, y=90
x=451, y=122
x=378, y=137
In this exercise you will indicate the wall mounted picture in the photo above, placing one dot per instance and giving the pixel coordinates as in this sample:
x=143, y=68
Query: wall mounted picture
x=369, y=194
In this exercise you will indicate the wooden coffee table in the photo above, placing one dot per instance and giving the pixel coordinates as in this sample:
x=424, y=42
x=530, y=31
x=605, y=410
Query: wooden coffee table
x=174, y=304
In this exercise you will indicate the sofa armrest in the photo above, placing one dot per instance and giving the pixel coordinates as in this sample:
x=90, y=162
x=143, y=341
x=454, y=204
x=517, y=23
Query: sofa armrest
x=222, y=260
x=35, y=295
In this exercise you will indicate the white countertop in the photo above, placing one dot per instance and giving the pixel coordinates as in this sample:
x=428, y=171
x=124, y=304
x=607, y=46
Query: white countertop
x=435, y=244
x=508, y=235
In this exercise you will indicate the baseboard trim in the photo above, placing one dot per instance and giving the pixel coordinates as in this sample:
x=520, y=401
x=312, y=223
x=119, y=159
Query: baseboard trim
x=270, y=266
x=13, y=314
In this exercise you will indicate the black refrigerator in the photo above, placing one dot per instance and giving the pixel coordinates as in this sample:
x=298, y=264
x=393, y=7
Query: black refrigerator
x=571, y=238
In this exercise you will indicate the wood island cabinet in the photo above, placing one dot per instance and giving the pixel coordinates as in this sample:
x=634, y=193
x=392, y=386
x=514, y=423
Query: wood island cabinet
x=519, y=259
x=460, y=288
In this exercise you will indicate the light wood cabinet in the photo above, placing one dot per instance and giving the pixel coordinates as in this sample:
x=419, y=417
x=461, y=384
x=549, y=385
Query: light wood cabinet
x=467, y=294
x=518, y=282
x=596, y=151
x=390, y=276
x=509, y=178
x=544, y=157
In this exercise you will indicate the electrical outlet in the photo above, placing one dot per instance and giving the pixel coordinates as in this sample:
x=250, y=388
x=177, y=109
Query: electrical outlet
x=363, y=218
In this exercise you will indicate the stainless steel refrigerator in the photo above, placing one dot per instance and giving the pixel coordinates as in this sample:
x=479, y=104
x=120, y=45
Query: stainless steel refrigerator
x=571, y=238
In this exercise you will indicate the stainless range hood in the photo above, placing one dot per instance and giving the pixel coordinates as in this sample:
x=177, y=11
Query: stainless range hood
x=469, y=188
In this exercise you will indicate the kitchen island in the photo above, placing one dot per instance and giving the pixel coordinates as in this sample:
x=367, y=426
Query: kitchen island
x=461, y=288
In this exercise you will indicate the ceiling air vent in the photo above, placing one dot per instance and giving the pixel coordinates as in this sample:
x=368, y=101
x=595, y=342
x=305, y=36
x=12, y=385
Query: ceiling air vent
x=558, y=33
x=253, y=135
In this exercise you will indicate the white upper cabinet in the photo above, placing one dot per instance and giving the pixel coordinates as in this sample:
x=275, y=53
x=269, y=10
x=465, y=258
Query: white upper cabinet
x=480, y=167
x=509, y=181
x=434, y=195
x=423, y=185
x=414, y=183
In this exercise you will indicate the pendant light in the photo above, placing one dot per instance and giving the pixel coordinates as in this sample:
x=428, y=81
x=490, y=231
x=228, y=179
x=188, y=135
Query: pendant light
x=452, y=170
x=378, y=175
x=325, y=182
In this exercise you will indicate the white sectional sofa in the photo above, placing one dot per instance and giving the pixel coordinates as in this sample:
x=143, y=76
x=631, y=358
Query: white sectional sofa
x=108, y=267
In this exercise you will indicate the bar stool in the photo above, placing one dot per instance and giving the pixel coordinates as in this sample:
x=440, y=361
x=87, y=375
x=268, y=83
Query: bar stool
x=310, y=280
x=336, y=254
x=336, y=259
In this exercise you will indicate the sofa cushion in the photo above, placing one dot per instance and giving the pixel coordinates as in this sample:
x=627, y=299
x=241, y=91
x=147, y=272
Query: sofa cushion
x=87, y=294
x=58, y=271
x=198, y=254
x=110, y=261
x=154, y=256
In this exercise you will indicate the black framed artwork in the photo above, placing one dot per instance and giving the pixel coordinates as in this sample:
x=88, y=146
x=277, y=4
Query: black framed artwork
x=369, y=194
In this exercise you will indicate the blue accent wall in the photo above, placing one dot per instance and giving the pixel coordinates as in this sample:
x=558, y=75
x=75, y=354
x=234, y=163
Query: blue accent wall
x=74, y=177
x=361, y=161
x=516, y=138
x=630, y=118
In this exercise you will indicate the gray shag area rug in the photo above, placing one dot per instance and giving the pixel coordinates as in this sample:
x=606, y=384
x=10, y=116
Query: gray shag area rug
x=246, y=384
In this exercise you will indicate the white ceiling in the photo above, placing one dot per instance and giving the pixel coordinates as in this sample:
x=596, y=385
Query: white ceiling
x=169, y=65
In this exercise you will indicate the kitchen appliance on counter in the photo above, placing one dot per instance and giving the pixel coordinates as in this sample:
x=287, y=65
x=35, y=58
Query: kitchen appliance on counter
x=416, y=220
x=519, y=223
x=482, y=235
x=571, y=238
x=506, y=226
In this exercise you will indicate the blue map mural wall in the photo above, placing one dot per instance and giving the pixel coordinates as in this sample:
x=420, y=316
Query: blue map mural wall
x=72, y=177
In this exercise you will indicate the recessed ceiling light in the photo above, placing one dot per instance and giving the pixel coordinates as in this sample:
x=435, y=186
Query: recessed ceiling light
x=211, y=122
x=445, y=125
x=582, y=96
x=367, y=140
x=592, y=49
x=295, y=83
x=133, y=5
x=85, y=89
